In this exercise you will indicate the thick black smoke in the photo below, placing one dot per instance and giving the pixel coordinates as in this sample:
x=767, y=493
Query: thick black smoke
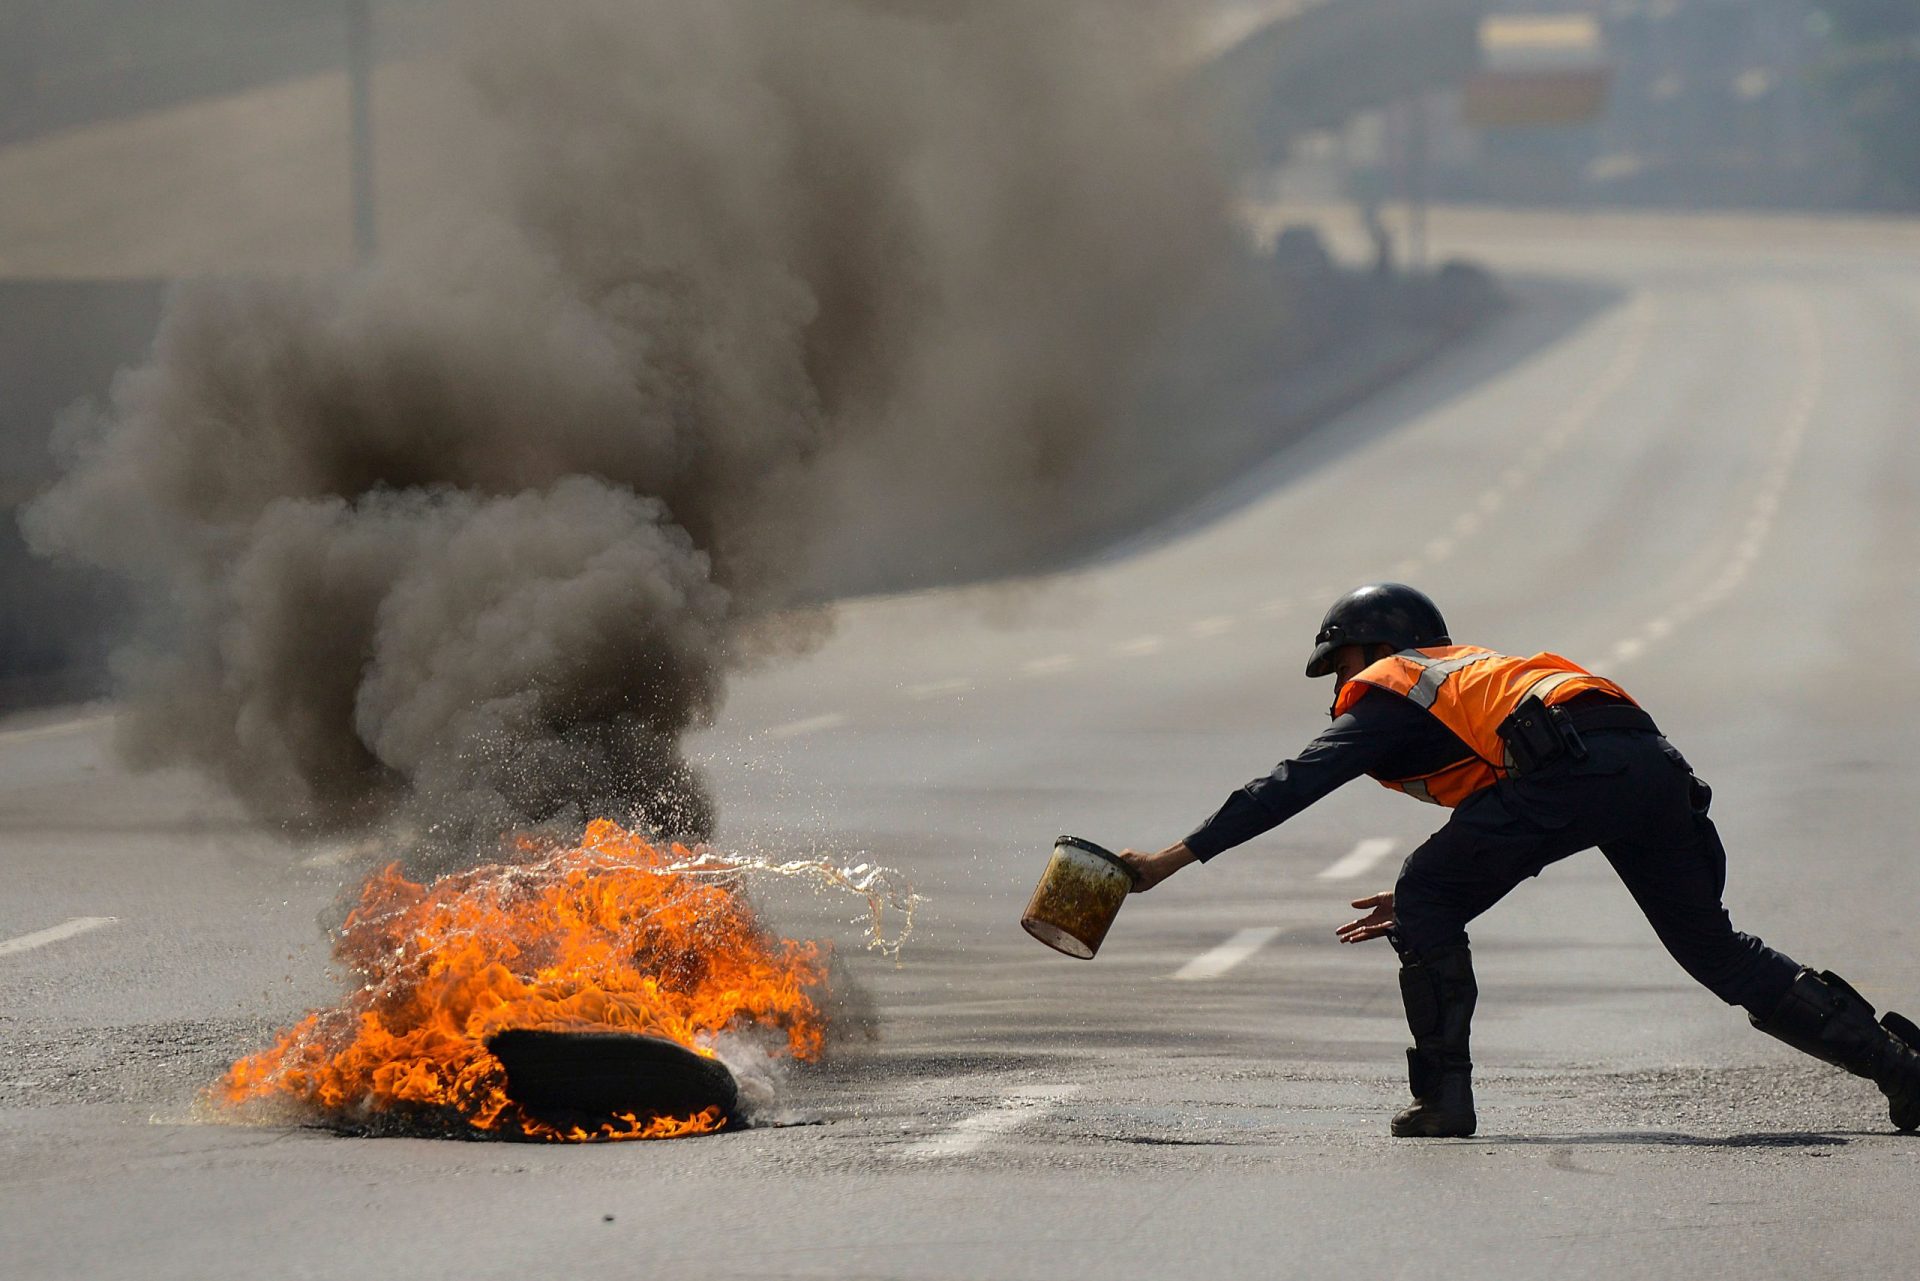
x=474, y=535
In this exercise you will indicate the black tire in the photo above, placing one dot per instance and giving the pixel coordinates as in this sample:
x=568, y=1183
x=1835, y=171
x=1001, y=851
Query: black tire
x=589, y=1078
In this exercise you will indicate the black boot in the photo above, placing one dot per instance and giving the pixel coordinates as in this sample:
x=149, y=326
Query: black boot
x=1822, y=1016
x=1439, y=992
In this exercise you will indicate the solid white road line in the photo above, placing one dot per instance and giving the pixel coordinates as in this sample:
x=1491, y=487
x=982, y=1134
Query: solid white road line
x=812, y=725
x=1015, y=1110
x=1359, y=860
x=1211, y=965
x=65, y=930
x=52, y=731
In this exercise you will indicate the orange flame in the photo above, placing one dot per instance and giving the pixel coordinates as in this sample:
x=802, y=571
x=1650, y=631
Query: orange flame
x=613, y=934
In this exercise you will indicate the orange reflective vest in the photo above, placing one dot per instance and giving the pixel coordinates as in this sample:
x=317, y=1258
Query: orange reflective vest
x=1471, y=691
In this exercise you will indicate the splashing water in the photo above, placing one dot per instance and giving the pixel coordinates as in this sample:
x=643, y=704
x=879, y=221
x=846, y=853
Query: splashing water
x=884, y=889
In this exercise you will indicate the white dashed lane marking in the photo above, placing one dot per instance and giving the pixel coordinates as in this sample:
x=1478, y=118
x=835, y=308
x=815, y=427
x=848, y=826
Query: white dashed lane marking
x=1781, y=463
x=1360, y=860
x=54, y=934
x=812, y=725
x=1573, y=420
x=938, y=689
x=1212, y=964
x=1626, y=651
x=1012, y=1112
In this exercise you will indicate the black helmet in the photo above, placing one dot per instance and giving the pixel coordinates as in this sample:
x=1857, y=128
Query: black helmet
x=1378, y=614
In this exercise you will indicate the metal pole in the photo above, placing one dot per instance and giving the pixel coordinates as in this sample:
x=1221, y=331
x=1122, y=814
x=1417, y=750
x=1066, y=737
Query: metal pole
x=360, y=113
x=1417, y=183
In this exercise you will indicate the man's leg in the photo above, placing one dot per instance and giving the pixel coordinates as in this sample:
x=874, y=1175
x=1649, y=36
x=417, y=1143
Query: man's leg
x=1438, y=990
x=1455, y=875
x=1677, y=873
x=1823, y=1016
x=1675, y=867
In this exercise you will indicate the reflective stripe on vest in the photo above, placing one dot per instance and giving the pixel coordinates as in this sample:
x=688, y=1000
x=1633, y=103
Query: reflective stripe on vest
x=1471, y=691
x=1546, y=685
x=1427, y=688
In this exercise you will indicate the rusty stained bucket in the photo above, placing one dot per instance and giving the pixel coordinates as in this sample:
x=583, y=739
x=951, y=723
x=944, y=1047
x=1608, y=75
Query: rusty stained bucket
x=1078, y=896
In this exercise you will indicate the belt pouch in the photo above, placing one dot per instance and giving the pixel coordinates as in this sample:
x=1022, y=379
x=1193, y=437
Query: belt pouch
x=1536, y=734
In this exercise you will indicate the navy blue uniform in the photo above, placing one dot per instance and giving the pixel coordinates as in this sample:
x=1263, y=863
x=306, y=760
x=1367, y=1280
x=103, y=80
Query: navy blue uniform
x=1634, y=796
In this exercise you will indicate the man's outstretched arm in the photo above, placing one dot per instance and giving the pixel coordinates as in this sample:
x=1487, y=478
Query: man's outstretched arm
x=1384, y=735
x=1344, y=751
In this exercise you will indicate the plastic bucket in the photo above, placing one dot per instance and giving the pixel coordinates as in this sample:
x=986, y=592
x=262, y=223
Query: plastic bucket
x=1078, y=896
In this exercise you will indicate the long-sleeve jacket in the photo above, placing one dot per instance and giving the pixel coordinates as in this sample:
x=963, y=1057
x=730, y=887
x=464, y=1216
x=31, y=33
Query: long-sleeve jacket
x=1382, y=735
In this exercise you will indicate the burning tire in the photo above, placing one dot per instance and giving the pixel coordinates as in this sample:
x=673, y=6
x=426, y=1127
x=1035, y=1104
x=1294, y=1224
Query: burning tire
x=588, y=1080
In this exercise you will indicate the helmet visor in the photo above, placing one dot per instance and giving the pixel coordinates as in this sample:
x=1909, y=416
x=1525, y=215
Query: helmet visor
x=1320, y=662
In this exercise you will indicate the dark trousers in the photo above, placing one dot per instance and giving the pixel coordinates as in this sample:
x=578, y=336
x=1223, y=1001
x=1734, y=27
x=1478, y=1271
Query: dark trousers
x=1636, y=798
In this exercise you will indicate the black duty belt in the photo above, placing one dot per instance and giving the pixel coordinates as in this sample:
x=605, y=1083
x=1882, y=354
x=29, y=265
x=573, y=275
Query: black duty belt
x=1537, y=735
x=1603, y=716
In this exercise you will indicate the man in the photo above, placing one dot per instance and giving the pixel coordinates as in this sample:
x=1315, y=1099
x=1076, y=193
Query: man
x=1538, y=759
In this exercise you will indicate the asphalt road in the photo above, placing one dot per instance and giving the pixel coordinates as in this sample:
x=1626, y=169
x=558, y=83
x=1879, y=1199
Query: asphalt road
x=1689, y=459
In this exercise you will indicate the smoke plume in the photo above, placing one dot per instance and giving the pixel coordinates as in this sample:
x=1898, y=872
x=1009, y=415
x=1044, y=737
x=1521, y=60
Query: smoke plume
x=473, y=535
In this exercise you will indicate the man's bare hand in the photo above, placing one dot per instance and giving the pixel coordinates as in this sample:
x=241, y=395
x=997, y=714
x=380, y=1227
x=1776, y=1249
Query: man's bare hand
x=1374, y=924
x=1151, y=869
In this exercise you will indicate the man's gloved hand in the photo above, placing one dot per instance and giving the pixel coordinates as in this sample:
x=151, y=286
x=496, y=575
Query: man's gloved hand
x=1151, y=869
x=1374, y=924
